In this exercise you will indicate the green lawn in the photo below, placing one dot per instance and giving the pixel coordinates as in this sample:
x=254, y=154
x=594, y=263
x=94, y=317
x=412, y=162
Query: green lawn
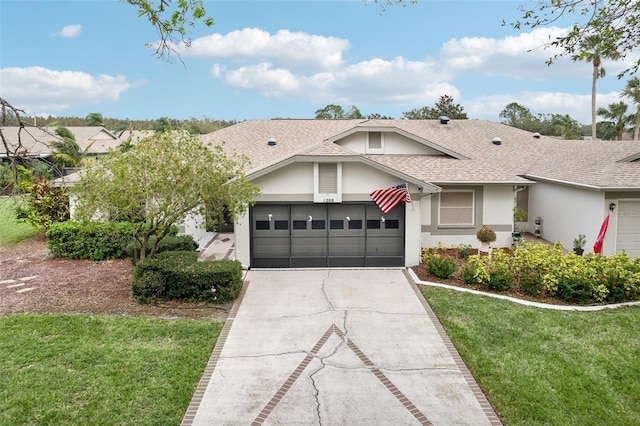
x=92, y=370
x=544, y=367
x=10, y=231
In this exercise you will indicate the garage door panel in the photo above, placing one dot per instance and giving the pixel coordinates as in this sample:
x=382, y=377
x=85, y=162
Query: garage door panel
x=309, y=220
x=308, y=246
x=271, y=247
x=346, y=220
x=346, y=246
x=270, y=221
x=628, y=232
x=384, y=246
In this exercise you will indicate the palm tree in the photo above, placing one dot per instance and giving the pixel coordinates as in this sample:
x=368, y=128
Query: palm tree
x=66, y=151
x=632, y=91
x=617, y=115
x=594, y=50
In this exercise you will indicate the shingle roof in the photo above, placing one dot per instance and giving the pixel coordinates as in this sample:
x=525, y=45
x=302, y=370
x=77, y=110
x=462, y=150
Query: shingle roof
x=592, y=163
x=36, y=140
x=519, y=154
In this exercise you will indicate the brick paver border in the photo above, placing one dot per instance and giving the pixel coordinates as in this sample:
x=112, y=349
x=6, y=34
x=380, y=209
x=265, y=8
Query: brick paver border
x=471, y=381
x=196, y=399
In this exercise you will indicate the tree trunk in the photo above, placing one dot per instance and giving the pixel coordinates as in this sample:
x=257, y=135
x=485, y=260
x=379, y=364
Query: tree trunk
x=593, y=100
x=636, y=131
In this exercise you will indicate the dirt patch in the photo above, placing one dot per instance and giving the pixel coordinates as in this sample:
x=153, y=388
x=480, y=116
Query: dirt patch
x=31, y=281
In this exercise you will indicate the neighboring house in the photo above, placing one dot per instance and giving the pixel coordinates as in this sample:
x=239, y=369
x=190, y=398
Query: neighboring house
x=93, y=140
x=316, y=177
x=579, y=184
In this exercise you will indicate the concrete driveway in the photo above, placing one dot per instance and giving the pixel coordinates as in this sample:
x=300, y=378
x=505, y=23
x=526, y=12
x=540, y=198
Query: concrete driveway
x=335, y=347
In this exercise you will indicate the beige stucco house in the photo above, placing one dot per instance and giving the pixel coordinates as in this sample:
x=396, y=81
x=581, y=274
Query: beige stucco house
x=316, y=176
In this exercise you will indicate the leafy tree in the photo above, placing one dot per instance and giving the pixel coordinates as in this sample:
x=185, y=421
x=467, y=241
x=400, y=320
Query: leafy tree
x=632, y=91
x=445, y=106
x=163, y=124
x=594, y=49
x=565, y=126
x=333, y=112
x=615, y=22
x=376, y=116
x=519, y=116
x=159, y=182
x=172, y=20
x=94, y=119
x=616, y=114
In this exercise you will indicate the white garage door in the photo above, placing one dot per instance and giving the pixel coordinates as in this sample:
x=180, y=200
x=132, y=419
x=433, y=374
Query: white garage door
x=628, y=235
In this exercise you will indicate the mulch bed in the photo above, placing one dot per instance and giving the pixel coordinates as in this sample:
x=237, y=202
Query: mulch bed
x=80, y=287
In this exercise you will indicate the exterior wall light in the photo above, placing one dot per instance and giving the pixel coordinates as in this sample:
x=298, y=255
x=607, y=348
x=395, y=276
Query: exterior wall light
x=612, y=206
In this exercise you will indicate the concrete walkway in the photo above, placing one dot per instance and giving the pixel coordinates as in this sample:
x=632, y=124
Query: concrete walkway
x=335, y=347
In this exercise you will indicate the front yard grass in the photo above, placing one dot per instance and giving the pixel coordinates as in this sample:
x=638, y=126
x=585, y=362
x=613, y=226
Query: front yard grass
x=72, y=370
x=541, y=367
x=10, y=230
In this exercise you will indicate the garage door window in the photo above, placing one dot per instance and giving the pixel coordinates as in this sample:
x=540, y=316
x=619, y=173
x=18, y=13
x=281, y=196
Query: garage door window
x=355, y=224
x=457, y=208
x=282, y=225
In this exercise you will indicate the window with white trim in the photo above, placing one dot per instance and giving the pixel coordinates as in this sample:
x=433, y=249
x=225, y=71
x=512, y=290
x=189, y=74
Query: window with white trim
x=457, y=207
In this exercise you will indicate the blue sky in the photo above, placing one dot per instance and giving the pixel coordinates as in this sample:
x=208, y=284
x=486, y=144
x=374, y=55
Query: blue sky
x=266, y=59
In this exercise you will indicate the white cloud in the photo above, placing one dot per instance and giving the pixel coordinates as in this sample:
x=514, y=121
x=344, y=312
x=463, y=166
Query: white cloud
x=520, y=57
x=577, y=106
x=70, y=31
x=398, y=81
x=284, y=48
x=39, y=89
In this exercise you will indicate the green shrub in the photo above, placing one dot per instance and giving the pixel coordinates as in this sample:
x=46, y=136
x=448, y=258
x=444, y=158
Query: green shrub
x=44, y=204
x=475, y=271
x=464, y=251
x=438, y=265
x=533, y=264
x=89, y=240
x=540, y=268
x=171, y=242
x=182, y=277
x=500, y=275
x=147, y=287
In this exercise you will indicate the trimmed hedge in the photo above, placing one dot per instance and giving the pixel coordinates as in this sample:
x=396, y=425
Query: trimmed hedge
x=170, y=242
x=89, y=240
x=177, y=275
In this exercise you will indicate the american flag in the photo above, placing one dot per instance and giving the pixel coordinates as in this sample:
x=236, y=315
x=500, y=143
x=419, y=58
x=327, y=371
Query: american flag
x=388, y=198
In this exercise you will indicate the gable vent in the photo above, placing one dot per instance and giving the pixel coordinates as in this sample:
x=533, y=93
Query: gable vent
x=443, y=119
x=496, y=141
x=327, y=178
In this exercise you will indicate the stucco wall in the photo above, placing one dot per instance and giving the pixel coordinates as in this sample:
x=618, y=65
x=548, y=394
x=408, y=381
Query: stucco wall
x=568, y=211
x=393, y=143
x=494, y=207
